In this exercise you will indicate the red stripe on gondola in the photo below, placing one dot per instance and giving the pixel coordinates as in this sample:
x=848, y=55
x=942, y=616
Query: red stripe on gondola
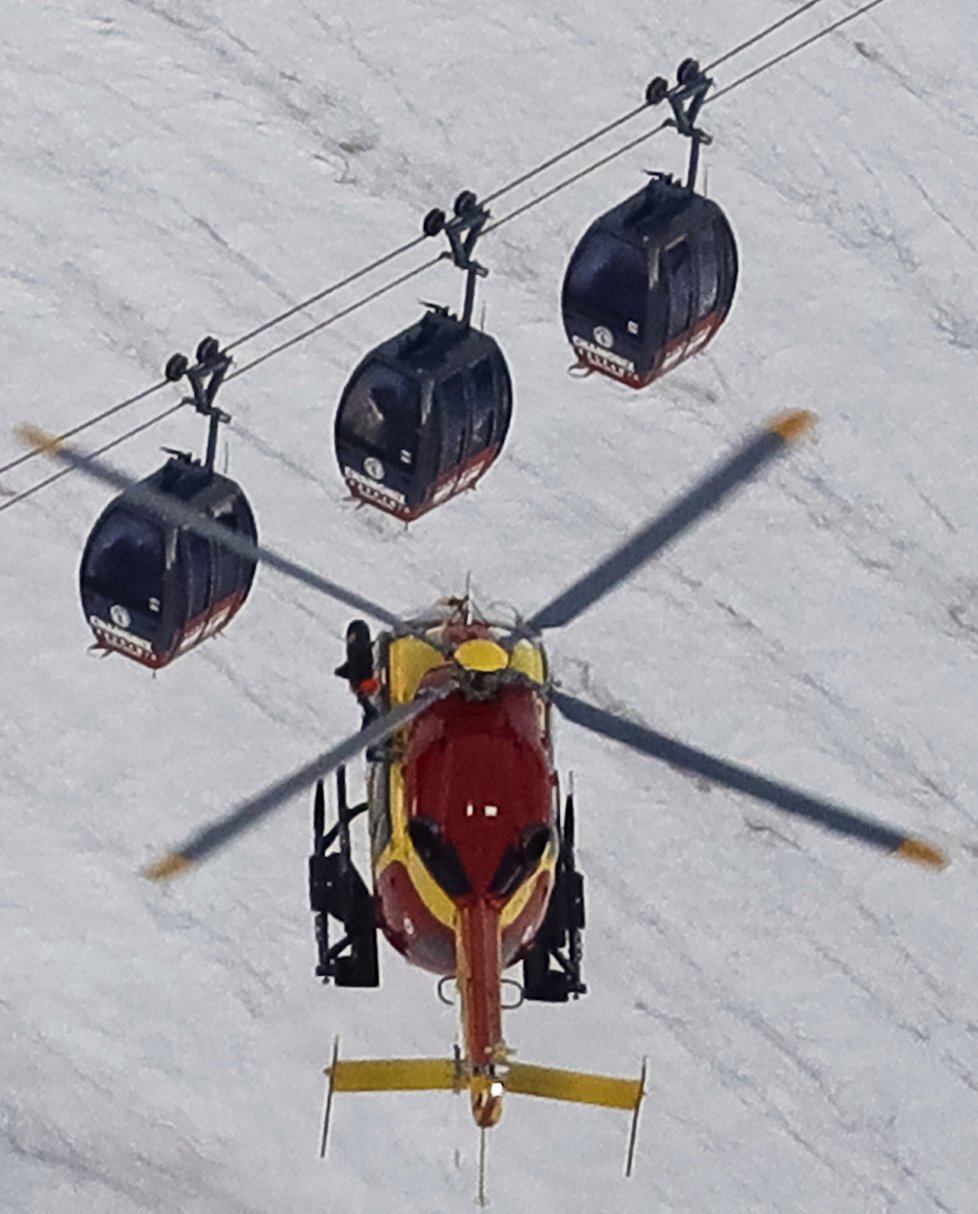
x=203, y=626
x=693, y=341
x=465, y=476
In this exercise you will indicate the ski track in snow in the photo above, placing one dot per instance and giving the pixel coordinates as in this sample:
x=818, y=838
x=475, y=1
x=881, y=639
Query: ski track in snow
x=808, y=1010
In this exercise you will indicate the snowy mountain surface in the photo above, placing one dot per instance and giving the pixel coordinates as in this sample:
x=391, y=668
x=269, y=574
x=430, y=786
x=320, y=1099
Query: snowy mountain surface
x=809, y=1009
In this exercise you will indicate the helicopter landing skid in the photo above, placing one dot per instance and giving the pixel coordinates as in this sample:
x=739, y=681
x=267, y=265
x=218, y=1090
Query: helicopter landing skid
x=552, y=967
x=338, y=892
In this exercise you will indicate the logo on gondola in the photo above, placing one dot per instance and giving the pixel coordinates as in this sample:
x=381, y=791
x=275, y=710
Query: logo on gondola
x=604, y=337
x=369, y=489
x=605, y=360
x=119, y=615
x=373, y=468
x=113, y=636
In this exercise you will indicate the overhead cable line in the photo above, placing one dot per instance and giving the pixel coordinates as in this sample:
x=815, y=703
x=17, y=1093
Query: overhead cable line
x=386, y=258
x=123, y=404
x=49, y=480
x=323, y=324
x=330, y=290
x=793, y=50
x=761, y=35
x=575, y=177
x=634, y=143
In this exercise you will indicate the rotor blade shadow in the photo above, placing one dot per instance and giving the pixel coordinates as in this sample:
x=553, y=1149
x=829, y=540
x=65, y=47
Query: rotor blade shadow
x=741, y=779
x=698, y=501
x=175, y=511
x=223, y=830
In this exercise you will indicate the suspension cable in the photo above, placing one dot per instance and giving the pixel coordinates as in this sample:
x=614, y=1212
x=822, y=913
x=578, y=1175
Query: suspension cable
x=575, y=177
x=793, y=50
x=330, y=290
x=123, y=404
x=56, y=476
x=386, y=258
x=323, y=324
x=759, y=37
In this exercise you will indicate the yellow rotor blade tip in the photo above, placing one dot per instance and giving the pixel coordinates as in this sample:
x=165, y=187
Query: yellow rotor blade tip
x=170, y=866
x=793, y=426
x=40, y=440
x=922, y=853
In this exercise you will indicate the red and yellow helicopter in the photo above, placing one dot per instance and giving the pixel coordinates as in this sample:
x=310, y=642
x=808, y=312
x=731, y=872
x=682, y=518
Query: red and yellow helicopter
x=472, y=854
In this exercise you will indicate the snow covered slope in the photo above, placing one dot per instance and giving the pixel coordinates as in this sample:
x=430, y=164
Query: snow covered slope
x=174, y=168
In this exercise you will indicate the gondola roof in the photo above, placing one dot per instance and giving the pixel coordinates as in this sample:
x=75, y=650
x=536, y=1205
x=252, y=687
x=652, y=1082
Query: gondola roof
x=188, y=481
x=437, y=343
x=662, y=207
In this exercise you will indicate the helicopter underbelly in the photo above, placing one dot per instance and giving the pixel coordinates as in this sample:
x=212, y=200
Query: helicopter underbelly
x=426, y=940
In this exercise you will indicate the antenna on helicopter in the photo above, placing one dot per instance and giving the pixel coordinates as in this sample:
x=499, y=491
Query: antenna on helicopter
x=481, y=1197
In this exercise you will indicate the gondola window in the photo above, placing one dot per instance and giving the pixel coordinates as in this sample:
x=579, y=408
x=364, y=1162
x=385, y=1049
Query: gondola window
x=609, y=279
x=484, y=415
x=127, y=561
x=454, y=419
x=382, y=415
x=678, y=270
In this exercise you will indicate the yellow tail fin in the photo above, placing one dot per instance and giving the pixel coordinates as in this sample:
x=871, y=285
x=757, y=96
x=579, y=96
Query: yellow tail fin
x=576, y=1086
x=453, y=1075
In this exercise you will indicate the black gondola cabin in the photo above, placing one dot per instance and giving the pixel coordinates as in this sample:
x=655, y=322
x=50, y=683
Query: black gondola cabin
x=151, y=589
x=423, y=416
x=649, y=283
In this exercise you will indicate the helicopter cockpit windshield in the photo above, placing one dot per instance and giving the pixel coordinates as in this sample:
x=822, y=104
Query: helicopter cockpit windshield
x=520, y=862
x=440, y=856
x=442, y=860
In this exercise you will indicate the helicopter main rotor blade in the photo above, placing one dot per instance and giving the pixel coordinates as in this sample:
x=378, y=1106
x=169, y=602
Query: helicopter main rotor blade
x=783, y=796
x=243, y=817
x=703, y=497
x=175, y=511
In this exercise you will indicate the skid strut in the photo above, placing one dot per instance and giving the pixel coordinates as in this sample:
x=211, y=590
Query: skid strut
x=337, y=892
x=552, y=968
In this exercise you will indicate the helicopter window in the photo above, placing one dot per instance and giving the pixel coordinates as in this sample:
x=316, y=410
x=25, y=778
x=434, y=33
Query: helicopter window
x=381, y=414
x=194, y=560
x=439, y=856
x=608, y=281
x=484, y=414
x=127, y=560
x=518, y=863
x=453, y=420
x=678, y=268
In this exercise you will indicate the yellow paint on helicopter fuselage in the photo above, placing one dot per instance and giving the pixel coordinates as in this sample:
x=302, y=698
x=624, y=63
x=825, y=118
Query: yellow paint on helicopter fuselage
x=409, y=660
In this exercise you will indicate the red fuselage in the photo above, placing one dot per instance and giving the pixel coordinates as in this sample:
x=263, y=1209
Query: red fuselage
x=479, y=797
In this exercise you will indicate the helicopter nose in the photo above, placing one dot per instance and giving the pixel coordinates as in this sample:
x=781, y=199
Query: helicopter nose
x=481, y=656
x=487, y=1100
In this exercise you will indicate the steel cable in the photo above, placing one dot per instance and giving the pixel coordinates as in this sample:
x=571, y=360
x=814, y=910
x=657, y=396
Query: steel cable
x=385, y=259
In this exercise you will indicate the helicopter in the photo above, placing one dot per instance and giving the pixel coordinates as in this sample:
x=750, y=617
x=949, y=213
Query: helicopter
x=473, y=865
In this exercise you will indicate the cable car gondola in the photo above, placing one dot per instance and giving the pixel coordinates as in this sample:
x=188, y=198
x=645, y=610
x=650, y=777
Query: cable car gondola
x=652, y=280
x=425, y=414
x=151, y=589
